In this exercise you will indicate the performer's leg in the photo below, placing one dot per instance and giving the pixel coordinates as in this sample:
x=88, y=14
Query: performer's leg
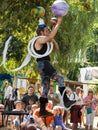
x=42, y=68
x=46, y=85
x=45, y=79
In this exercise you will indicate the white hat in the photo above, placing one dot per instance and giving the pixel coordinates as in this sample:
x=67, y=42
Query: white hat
x=17, y=101
x=41, y=23
x=34, y=105
x=78, y=88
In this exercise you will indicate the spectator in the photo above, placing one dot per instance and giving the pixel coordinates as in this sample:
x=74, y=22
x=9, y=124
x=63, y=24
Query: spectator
x=58, y=117
x=76, y=108
x=90, y=109
x=53, y=96
x=42, y=126
x=32, y=101
x=15, y=96
x=28, y=121
x=49, y=106
x=7, y=95
x=34, y=107
x=30, y=95
x=15, y=119
x=17, y=93
x=1, y=109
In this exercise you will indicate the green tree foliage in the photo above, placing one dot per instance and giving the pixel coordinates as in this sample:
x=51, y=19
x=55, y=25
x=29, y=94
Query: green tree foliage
x=92, y=50
x=76, y=32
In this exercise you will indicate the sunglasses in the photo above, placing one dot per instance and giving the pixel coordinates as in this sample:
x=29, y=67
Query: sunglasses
x=90, y=92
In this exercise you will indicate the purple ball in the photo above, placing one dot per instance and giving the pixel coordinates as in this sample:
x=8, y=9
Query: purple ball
x=59, y=8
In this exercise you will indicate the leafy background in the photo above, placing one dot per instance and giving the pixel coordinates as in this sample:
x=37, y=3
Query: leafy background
x=77, y=36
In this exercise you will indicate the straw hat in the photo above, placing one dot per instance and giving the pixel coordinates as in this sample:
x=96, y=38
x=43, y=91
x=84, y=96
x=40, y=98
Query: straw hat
x=17, y=101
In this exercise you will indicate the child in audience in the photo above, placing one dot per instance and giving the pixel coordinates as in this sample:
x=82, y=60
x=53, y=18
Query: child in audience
x=58, y=117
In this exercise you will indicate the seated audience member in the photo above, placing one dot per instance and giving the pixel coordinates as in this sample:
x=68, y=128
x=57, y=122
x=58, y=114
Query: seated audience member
x=49, y=106
x=1, y=109
x=34, y=107
x=32, y=101
x=15, y=118
x=28, y=119
x=58, y=117
x=42, y=126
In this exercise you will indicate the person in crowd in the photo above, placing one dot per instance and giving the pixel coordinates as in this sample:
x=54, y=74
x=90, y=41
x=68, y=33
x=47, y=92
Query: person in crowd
x=75, y=110
x=8, y=95
x=17, y=93
x=49, y=106
x=44, y=67
x=34, y=107
x=66, y=117
x=32, y=101
x=38, y=89
x=13, y=99
x=1, y=109
x=15, y=96
x=42, y=126
x=58, y=117
x=90, y=109
x=28, y=121
x=27, y=118
x=15, y=118
x=30, y=95
x=53, y=96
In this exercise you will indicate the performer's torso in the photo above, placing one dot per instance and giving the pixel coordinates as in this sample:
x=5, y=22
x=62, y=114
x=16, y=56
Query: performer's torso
x=42, y=51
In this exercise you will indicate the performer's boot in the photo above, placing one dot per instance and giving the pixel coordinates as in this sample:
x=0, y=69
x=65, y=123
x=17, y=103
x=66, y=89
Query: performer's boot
x=66, y=101
x=43, y=111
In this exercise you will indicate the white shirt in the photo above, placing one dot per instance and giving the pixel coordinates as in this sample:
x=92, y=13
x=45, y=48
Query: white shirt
x=18, y=95
x=76, y=97
x=7, y=92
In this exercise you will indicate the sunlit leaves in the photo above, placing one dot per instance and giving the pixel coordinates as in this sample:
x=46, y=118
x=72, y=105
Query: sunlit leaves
x=77, y=31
